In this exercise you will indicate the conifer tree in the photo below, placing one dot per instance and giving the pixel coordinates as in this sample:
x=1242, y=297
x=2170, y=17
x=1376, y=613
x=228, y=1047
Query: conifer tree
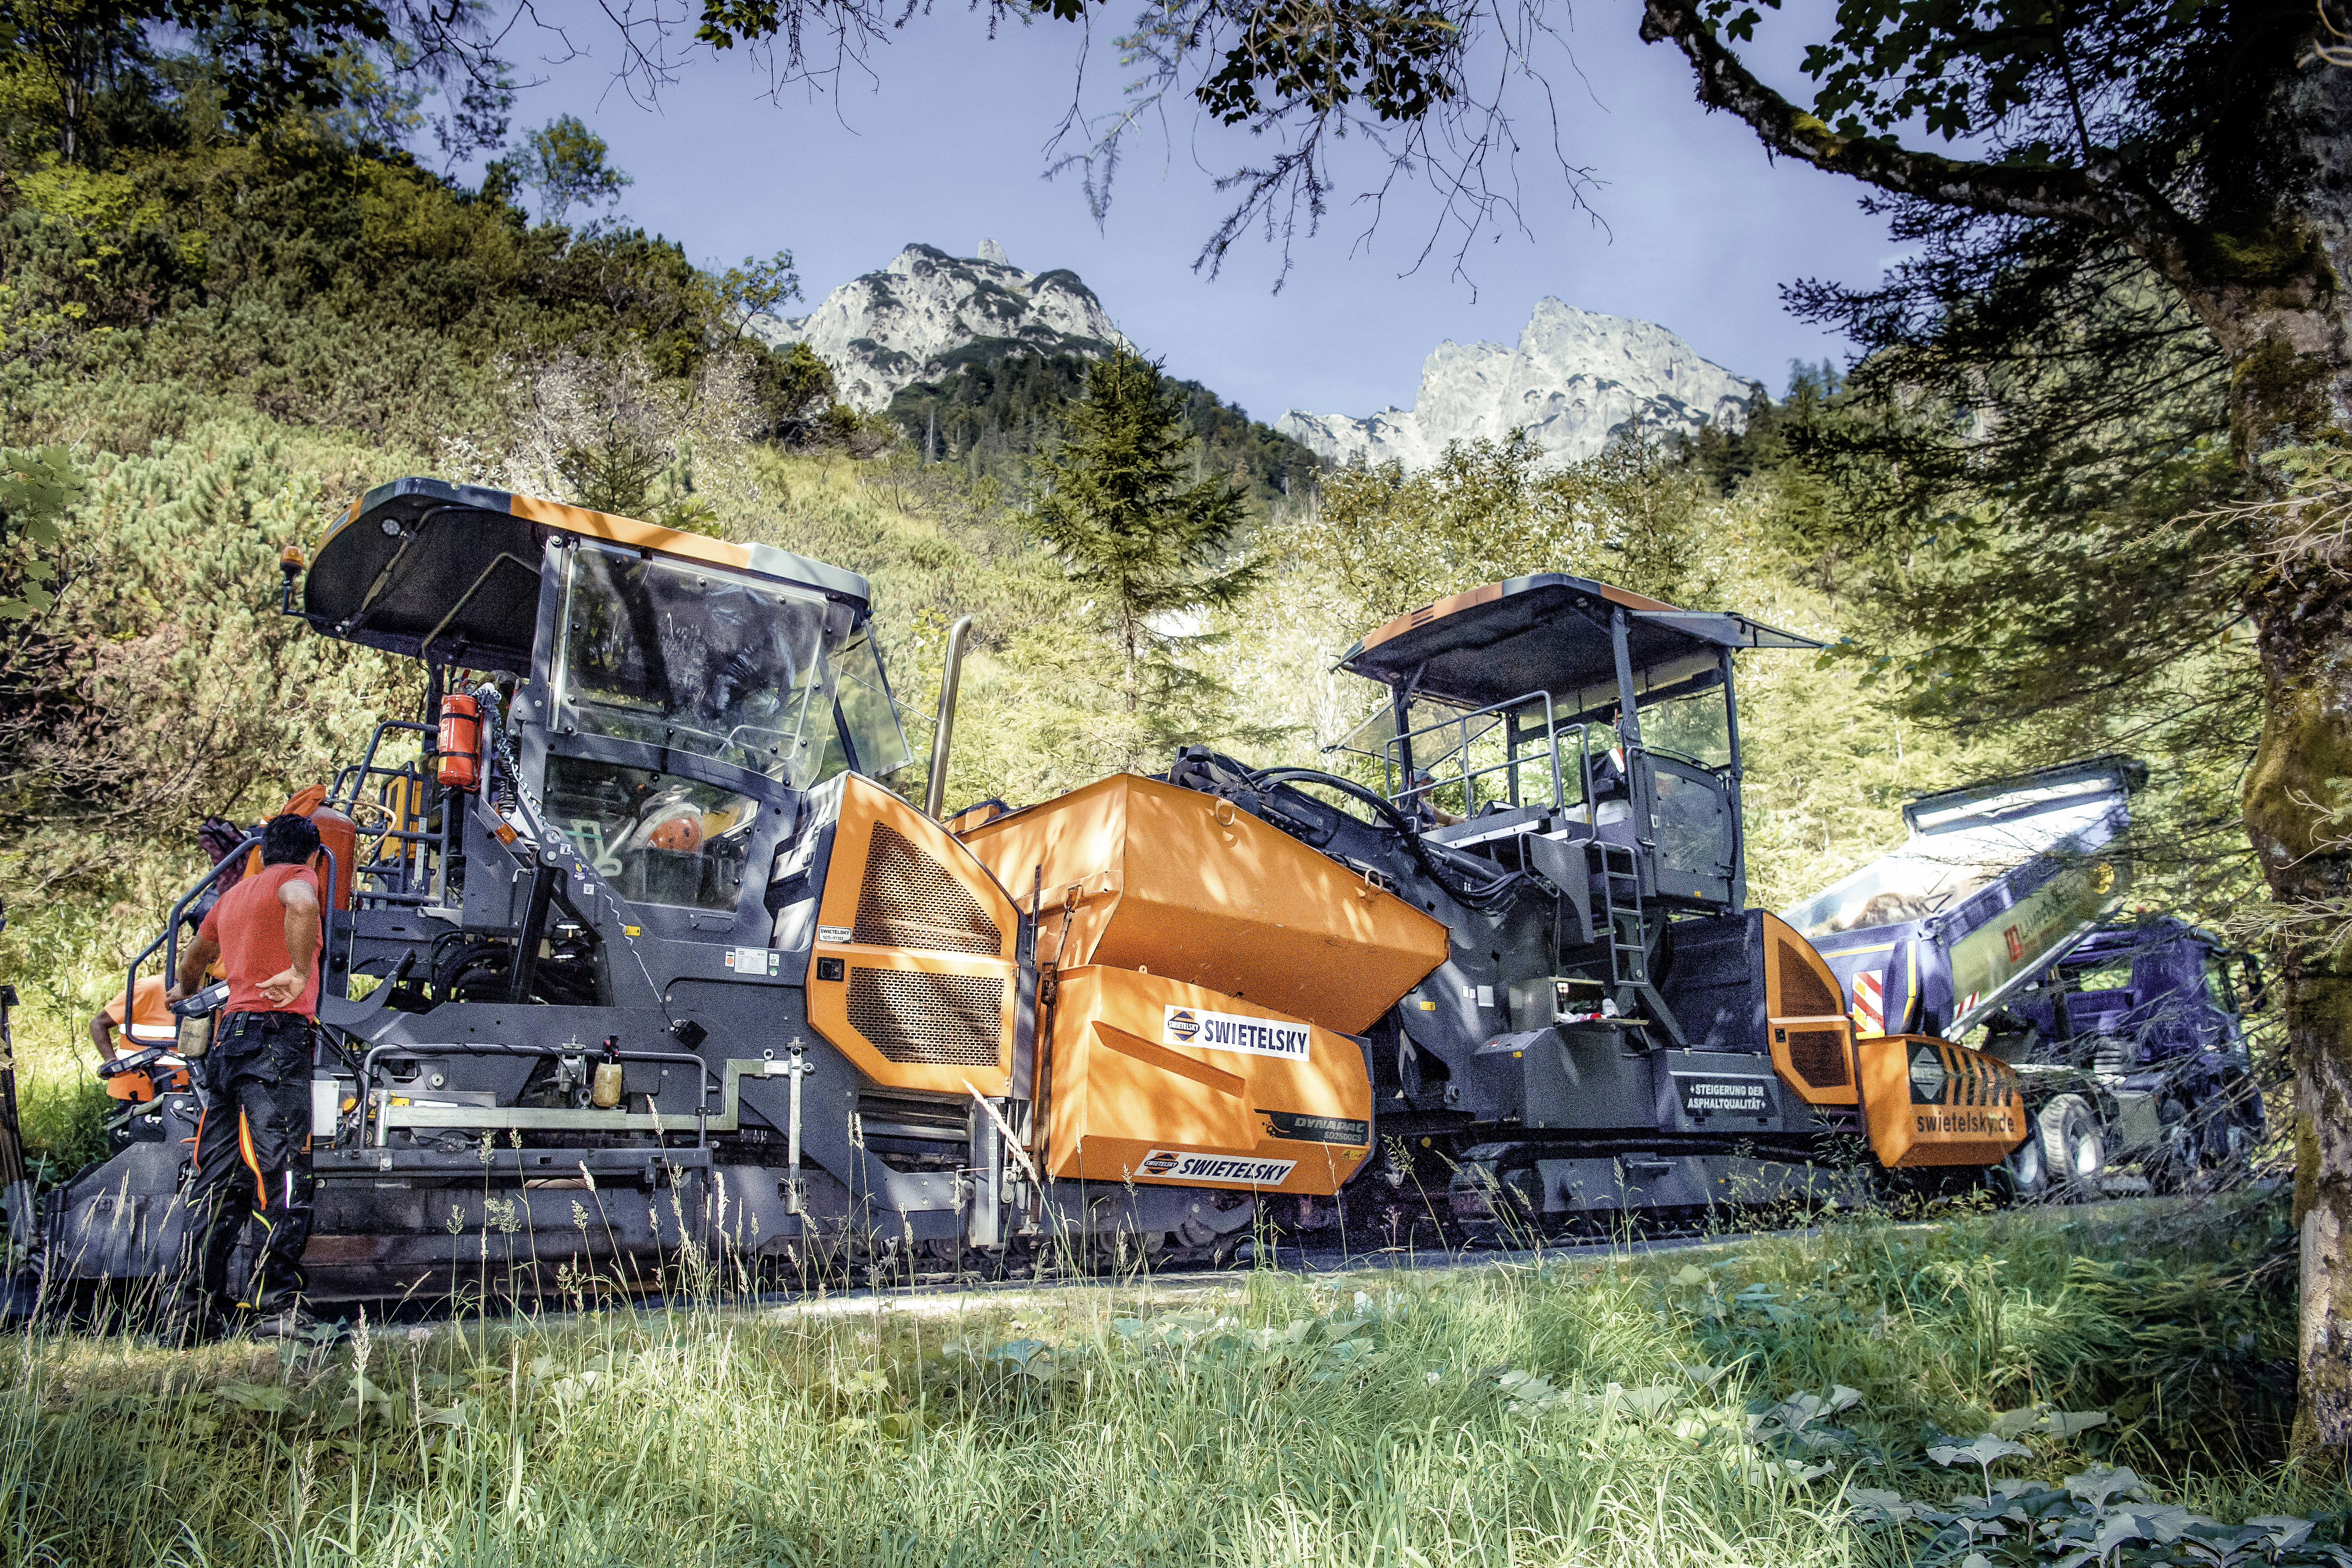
x=1155, y=548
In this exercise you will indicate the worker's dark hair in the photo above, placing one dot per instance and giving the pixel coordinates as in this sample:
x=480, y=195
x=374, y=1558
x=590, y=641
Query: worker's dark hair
x=289, y=840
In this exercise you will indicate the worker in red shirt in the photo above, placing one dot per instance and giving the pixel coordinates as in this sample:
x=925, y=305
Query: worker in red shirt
x=253, y=1153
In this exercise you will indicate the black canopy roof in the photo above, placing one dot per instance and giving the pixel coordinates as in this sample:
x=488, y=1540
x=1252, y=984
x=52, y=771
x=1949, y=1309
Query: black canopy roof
x=1549, y=632
x=421, y=561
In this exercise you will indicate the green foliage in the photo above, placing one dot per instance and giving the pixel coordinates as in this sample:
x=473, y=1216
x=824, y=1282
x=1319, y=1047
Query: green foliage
x=757, y=287
x=2023, y=531
x=1150, y=549
x=616, y=476
x=36, y=488
x=1489, y=509
x=795, y=389
x=1567, y=1409
x=565, y=162
x=999, y=405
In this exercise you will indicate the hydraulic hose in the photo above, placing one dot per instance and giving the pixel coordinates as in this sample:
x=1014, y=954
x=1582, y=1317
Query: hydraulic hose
x=1477, y=896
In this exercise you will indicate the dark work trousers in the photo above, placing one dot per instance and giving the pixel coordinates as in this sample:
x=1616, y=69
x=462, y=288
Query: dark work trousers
x=253, y=1159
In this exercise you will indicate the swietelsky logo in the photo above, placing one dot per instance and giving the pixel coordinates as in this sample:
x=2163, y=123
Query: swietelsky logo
x=1182, y=1024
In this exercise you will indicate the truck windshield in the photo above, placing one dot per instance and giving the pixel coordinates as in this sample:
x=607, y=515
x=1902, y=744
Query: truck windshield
x=697, y=659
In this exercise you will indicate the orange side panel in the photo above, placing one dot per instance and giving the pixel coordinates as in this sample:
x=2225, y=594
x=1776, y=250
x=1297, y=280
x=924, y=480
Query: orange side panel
x=1146, y=876
x=628, y=531
x=1160, y=1082
x=1815, y=1057
x=924, y=942
x=1798, y=982
x=1931, y=1102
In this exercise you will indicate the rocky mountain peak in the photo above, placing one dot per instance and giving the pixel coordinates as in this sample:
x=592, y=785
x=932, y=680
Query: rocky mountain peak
x=890, y=329
x=1575, y=379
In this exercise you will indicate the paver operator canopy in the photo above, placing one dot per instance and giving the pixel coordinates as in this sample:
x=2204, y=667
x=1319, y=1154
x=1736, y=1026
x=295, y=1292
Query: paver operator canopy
x=1515, y=693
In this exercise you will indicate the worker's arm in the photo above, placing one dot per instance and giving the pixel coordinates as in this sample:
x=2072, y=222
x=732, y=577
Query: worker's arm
x=195, y=958
x=299, y=899
x=102, y=1034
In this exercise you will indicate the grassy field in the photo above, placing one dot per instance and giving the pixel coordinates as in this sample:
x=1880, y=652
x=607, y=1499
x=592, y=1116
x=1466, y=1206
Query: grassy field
x=1625, y=1409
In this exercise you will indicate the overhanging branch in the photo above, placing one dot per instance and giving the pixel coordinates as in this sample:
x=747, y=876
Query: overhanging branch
x=2100, y=194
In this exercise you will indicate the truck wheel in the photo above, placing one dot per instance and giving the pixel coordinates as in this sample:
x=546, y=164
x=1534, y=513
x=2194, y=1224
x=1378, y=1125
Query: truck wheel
x=2026, y=1173
x=2073, y=1149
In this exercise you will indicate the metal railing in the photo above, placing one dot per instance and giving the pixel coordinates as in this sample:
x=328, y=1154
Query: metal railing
x=405, y=878
x=1410, y=780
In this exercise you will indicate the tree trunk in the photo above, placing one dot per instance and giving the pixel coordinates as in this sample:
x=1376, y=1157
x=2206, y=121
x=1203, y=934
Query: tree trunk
x=2302, y=772
x=2290, y=383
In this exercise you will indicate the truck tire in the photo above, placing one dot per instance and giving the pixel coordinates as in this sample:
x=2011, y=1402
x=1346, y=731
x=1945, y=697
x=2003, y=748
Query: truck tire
x=2026, y=1173
x=2074, y=1148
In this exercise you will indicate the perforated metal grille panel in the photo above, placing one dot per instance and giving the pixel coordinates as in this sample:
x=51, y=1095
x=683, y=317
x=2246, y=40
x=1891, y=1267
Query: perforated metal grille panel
x=1802, y=994
x=909, y=900
x=1819, y=1058
x=934, y=1018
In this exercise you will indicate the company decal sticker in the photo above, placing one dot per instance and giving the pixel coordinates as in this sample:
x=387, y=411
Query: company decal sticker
x=1301, y=1128
x=1199, y=1027
x=1961, y=1121
x=833, y=934
x=763, y=961
x=1214, y=1170
x=1927, y=1076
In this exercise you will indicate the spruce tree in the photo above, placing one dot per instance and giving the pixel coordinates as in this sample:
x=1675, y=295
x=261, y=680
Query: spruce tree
x=1155, y=548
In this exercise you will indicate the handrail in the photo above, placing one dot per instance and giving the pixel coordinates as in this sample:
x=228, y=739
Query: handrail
x=1399, y=747
x=500, y=1049
x=367, y=761
x=169, y=940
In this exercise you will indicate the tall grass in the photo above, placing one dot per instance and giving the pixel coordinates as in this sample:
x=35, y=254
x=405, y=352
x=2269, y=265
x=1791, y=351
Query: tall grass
x=1373, y=1417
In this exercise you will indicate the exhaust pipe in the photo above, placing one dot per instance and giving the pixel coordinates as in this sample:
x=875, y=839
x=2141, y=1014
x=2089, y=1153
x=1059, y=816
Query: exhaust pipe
x=935, y=794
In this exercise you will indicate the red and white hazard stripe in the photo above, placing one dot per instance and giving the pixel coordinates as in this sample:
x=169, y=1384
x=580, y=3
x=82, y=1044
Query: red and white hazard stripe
x=1870, y=1002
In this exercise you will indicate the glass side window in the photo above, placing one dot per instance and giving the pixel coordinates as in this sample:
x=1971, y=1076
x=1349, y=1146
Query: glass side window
x=867, y=714
x=701, y=660
x=659, y=840
x=1698, y=726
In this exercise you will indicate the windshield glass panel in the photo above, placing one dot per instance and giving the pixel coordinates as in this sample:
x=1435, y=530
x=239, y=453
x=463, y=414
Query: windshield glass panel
x=697, y=659
x=659, y=840
x=868, y=715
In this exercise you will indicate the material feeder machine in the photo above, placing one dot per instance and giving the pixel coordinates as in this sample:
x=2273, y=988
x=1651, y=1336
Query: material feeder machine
x=2001, y=911
x=638, y=955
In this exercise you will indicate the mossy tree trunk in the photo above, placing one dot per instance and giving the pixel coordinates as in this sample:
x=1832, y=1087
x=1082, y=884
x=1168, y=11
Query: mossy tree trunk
x=2291, y=386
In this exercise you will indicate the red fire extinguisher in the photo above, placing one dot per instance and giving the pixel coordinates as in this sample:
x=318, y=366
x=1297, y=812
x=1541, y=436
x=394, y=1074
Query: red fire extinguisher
x=461, y=743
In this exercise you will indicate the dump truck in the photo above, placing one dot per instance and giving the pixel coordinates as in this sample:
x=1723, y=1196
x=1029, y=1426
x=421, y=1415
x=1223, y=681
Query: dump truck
x=2132, y=1050
x=1998, y=912
x=631, y=953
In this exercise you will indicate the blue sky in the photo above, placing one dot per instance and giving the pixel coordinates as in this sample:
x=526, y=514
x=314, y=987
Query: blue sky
x=943, y=140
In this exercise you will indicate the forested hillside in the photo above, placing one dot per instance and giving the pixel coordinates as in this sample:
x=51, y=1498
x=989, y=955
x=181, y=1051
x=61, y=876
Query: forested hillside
x=233, y=321
x=1001, y=405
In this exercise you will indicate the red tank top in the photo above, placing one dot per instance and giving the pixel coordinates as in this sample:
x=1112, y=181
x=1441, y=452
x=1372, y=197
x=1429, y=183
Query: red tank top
x=249, y=923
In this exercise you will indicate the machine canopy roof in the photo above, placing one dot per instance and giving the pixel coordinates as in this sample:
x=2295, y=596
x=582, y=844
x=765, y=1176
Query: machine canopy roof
x=1549, y=632
x=422, y=562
